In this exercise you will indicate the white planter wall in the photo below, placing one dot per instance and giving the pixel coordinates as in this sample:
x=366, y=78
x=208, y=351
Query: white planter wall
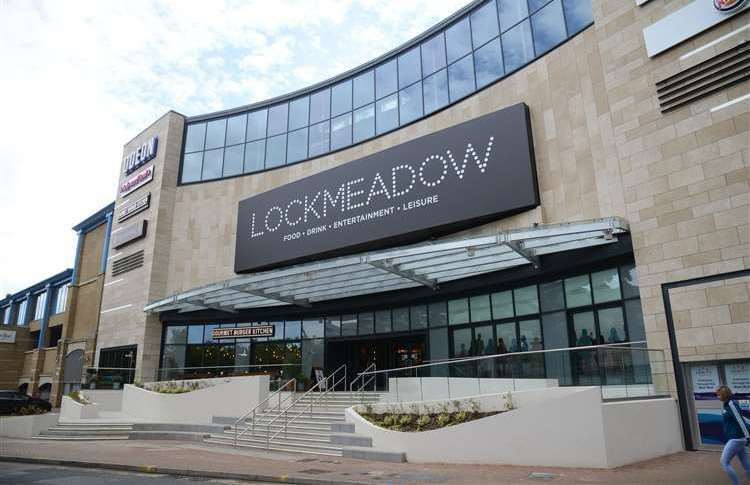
x=26, y=426
x=106, y=399
x=408, y=389
x=71, y=410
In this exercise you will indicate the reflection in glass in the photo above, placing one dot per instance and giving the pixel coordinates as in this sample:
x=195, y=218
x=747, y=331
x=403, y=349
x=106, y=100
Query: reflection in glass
x=277, y=119
x=526, y=300
x=636, y=329
x=212, y=161
x=548, y=26
x=584, y=328
x=385, y=79
x=435, y=91
x=535, y=5
x=348, y=325
x=484, y=24
x=236, y=127
x=410, y=103
x=299, y=111
x=458, y=40
x=577, y=15
x=255, y=154
x=612, y=325
x=433, y=54
x=341, y=98
x=606, y=285
x=518, y=48
x=506, y=338
x=530, y=335
x=176, y=335
x=401, y=319
x=208, y=332
x=215, y=133
x=312, y=358
x=292, y=329
x=195, y=334
x=461, y=78
x=438, y=351
x=489, y=63
x=555, y=331
x=319, y=138
x=462, y=342
x=276, y=151
x=297, y=146
x=418, y=317
x=364, y=123
x=629, y=276
x=383, y=321
x=196, y=135
x=480, y=308
x=191, y=167
x=312, y=328
x=341, y=131
x=551, y=295
x=409, y=68
x=386, y=110
x=320, y=106
x=242, y=354
x=256, y=125
x=577, y=291
x=366, y=324
x=364, y=89
x=502, y=305
x=333, y=326
x=458, y=311
x=233, y=160
x=512, y=12
x=438, y=314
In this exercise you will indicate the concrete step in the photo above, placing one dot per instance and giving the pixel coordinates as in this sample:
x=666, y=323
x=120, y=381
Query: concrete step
x=366, y=453
x=95, y=424
x=319, y=446
x=87, y=432
x=277, y=447
x=81, y=438
x=168, y=435
x=289, y=440
x=296, y=432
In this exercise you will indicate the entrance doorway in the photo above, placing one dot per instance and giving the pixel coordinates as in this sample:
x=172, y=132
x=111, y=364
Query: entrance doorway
x=385, y=353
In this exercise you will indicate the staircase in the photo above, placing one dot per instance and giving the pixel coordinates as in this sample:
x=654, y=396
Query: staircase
x=310, y=432
x=86, y=432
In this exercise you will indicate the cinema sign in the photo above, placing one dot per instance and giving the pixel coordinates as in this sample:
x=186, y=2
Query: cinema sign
x=469, y=174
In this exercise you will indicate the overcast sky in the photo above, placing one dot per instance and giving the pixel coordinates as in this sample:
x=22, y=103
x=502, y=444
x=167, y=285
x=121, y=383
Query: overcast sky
x=79, y=79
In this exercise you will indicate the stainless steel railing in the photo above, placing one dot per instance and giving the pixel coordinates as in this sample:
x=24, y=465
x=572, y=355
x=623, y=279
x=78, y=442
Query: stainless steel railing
x=364, y=378
x=290, y=383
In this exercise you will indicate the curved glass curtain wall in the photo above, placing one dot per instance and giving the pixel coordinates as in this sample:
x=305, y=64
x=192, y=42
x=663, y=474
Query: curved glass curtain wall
x=489, y=42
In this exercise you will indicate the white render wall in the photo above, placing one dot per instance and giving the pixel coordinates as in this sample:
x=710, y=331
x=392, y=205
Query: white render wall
x=407, y=389
x=565, y=427
x=26, y=426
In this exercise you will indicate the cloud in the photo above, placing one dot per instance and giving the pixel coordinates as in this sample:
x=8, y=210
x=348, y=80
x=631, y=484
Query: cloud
x=81, y=78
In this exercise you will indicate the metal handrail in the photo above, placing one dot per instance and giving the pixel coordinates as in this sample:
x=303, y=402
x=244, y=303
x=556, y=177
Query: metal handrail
x=363, y=384
x=455, y=360
x=292, y=381
x=331, y=376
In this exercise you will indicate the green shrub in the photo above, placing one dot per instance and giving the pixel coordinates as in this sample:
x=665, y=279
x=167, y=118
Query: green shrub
x=405, y=419
x=423, y=421
x=460, y=416
x=443, y=419
x=389, y=420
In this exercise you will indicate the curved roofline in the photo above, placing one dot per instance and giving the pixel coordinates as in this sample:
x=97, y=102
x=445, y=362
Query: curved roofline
x=343, y=76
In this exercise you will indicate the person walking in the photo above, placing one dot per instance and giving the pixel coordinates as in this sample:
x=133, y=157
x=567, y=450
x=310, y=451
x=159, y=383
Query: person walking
x=737, y=434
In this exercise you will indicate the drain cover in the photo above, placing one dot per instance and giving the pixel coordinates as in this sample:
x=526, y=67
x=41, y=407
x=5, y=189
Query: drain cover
x=543, y=476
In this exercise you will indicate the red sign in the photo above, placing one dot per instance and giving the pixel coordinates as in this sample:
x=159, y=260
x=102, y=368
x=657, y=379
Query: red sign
x=137, y=181
x=728, y=5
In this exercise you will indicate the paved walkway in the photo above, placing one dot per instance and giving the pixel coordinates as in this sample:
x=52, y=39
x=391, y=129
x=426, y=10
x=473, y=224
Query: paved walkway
x=220, y=462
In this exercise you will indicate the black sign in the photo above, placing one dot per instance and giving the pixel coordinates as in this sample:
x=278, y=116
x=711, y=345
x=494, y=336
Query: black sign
x=128, y=234
x=469, y=174
x=259, y=331
x=134, y=208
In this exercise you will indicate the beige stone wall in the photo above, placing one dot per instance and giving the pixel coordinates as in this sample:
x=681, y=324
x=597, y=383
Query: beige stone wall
x=13, y=357
x=91, y=253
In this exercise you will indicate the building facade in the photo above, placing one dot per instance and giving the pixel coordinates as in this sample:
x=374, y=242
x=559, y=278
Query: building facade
x=524, y=176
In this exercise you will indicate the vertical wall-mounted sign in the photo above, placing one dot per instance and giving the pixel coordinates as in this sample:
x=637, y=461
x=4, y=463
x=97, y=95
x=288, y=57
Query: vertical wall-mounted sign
x=128, y=234
x=137, y=206
x=137, y=181
x=139, y=157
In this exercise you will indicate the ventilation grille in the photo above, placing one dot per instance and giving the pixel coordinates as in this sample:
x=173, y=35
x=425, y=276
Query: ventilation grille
x=719, y=72
x=127, y=263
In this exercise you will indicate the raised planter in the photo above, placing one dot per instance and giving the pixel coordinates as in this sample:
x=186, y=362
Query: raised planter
x=70, y=410
x=26, y=426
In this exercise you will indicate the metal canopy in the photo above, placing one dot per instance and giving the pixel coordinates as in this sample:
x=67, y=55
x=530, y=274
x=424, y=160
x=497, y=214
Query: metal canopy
x=425, y=264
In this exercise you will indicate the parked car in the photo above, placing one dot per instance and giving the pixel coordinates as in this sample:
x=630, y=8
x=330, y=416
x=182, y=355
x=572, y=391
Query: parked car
x=12, y=402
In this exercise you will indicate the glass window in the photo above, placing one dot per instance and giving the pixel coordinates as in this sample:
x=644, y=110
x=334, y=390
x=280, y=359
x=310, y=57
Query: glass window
x=433, y=54
x=195, y=334
x=606, y=285
x=233, y=160
x=458, y=311
x=299, y=113
x=366, y=324
x=535, y=5
x=629, y=277
x=276, y=151
x=226, y=355
x=458, y=40
x=548, y=26
x=502, y=305
x=211, y=356
x=312, y=357
x=518, y=48
x=319, y=138
x=480, y=308
x=256, y=125
x=41, y=301
x=418, y=317
x=577, y=291
x=484, y=24
x=215, y=131
x=255, y=154
x=435, y=91
x=401, y=319
x=557, y=364
x=484, y=342
x=551, y=295
x=341, y=131
x=409, y=68
x=312, y=328
x=173, y=357
x=348, y=325
x=530, y=335
x=191, y=167
x=506, y=338
x=320, y=106
x=526, y=300
x=489, y=63
x=438, y=314
x=277, y=119
x=578, y=15
x=333, y=326
x=512, y=12
x=341, y=98
x=21, y=317
x=386, y=114
x=462, y=342
x=176, y=335
x=194, y=356
x=634, y=314
x=297, y=146
x=364, y=89
x=461, y=78
x=212, y=162
x=236, y=128
x=61, y=299
x=364, y=123
x=383, y=321
x=292, y=329
x=242, y=354
x=584, y=328
x=385, y=79
x=196, y=135
x=439, y=345
x=208, y=332
x=410, y=103
x=612, y=325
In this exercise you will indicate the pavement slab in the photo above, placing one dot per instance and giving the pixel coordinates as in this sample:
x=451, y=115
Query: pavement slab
x=196, y=459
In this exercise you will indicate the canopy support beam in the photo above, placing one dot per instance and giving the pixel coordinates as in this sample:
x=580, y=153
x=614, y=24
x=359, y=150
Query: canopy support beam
x=388, y=266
